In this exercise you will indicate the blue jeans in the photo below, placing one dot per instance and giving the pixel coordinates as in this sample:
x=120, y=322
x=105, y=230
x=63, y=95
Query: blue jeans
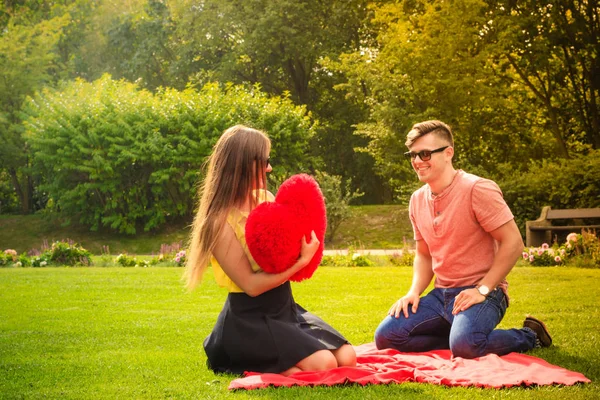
x=469, y=334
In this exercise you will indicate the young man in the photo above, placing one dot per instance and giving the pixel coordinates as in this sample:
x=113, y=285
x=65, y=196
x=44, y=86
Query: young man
x=466, y=236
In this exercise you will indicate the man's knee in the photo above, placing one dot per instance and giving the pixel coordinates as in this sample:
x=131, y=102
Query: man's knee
x=381, y=339
x=389, y=335
x=468, y=346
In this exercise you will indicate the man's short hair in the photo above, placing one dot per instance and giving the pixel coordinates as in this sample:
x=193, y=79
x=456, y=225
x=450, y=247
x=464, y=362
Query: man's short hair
x=433, y=127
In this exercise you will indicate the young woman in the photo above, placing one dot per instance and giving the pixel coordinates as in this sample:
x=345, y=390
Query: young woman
x=261, y=328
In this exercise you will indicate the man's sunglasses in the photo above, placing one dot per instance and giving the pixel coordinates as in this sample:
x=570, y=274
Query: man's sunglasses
x=424, y=155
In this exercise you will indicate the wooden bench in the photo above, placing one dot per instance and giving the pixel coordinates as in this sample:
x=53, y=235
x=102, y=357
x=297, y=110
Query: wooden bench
x=540, y=230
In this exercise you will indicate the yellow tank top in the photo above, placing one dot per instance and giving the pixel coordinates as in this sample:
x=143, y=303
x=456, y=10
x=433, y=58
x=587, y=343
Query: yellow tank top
x=237, y=220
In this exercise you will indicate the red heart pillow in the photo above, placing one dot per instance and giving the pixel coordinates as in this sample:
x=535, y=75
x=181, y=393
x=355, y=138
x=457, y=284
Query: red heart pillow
x=274, y=229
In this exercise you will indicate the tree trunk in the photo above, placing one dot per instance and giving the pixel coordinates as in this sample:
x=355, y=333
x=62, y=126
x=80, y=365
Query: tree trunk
x=594, y=115
x=21, y=194
x=300, y=78
x=561, y=146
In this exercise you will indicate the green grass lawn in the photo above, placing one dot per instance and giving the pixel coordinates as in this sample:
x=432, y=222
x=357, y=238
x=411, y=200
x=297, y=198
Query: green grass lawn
x=130, y=333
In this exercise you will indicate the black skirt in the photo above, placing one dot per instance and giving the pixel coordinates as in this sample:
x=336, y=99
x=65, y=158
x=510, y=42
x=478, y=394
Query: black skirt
x=266, y=333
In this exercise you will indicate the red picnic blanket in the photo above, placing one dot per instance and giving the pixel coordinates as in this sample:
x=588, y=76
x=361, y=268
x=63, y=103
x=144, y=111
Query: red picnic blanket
x=438, y=367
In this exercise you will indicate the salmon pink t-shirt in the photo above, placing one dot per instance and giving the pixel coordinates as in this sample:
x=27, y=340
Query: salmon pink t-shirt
x=455, y=224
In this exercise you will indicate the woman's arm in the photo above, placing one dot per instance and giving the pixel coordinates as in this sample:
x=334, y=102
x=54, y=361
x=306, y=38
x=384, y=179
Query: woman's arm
x=234, y=262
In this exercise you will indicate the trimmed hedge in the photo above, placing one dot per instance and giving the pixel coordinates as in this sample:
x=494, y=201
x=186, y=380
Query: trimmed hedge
x=117, y=156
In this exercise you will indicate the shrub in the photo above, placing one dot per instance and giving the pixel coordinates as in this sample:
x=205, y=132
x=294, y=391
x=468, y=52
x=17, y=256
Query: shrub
x=545, y=256
x=10, y=254
x=125, y=261
x=562, y=183
x=360, y=261
x=5, y=260
x=329, y=261
x=10, y=258
x=579, y=249
x=39, y=261
x=67, y=253
x=584, y=248
x=180, y=258
x=169, y=255
x=403, y=259
x=23, y=260
x=121, y=157
x=155, y=260
x=338, y=196
x=350, y=259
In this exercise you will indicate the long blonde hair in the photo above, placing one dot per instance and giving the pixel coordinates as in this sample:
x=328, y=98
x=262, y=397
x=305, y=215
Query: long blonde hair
x=236, y=165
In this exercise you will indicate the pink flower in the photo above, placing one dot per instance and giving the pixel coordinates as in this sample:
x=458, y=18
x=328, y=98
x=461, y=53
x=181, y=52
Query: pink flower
x=531, y=258
x=12, y=253
x=572, y=237
x=177, y=259
x=557, y=259
x=540, y=252
x=525, y=255
x=545, y=246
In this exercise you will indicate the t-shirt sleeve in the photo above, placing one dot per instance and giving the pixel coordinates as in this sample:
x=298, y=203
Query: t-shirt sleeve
x=489, y=206
x=411, y=213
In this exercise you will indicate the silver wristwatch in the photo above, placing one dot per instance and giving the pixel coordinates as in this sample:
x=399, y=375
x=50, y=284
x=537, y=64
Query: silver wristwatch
x=483, y=290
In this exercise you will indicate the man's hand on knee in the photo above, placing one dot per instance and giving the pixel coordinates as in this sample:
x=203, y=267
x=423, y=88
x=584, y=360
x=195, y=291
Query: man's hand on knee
x=466, y=299
x=401, y=306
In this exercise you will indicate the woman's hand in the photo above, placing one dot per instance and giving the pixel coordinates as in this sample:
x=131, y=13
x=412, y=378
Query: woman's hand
x=308, y=249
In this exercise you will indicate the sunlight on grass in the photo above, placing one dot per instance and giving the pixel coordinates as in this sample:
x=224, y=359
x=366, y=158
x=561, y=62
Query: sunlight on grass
x=136, y=333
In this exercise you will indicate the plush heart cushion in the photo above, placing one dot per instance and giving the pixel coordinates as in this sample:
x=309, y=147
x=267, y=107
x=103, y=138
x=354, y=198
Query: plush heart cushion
x=274, y=230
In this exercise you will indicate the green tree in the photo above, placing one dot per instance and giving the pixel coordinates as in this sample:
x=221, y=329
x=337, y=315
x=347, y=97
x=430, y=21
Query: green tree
x=434, y=59
x=121, y=157
x=27, y=62
x=281, y=45
x=8, y=199
x=275, y=43
x=139, y=47
x=413, y=70
x=552, y=50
